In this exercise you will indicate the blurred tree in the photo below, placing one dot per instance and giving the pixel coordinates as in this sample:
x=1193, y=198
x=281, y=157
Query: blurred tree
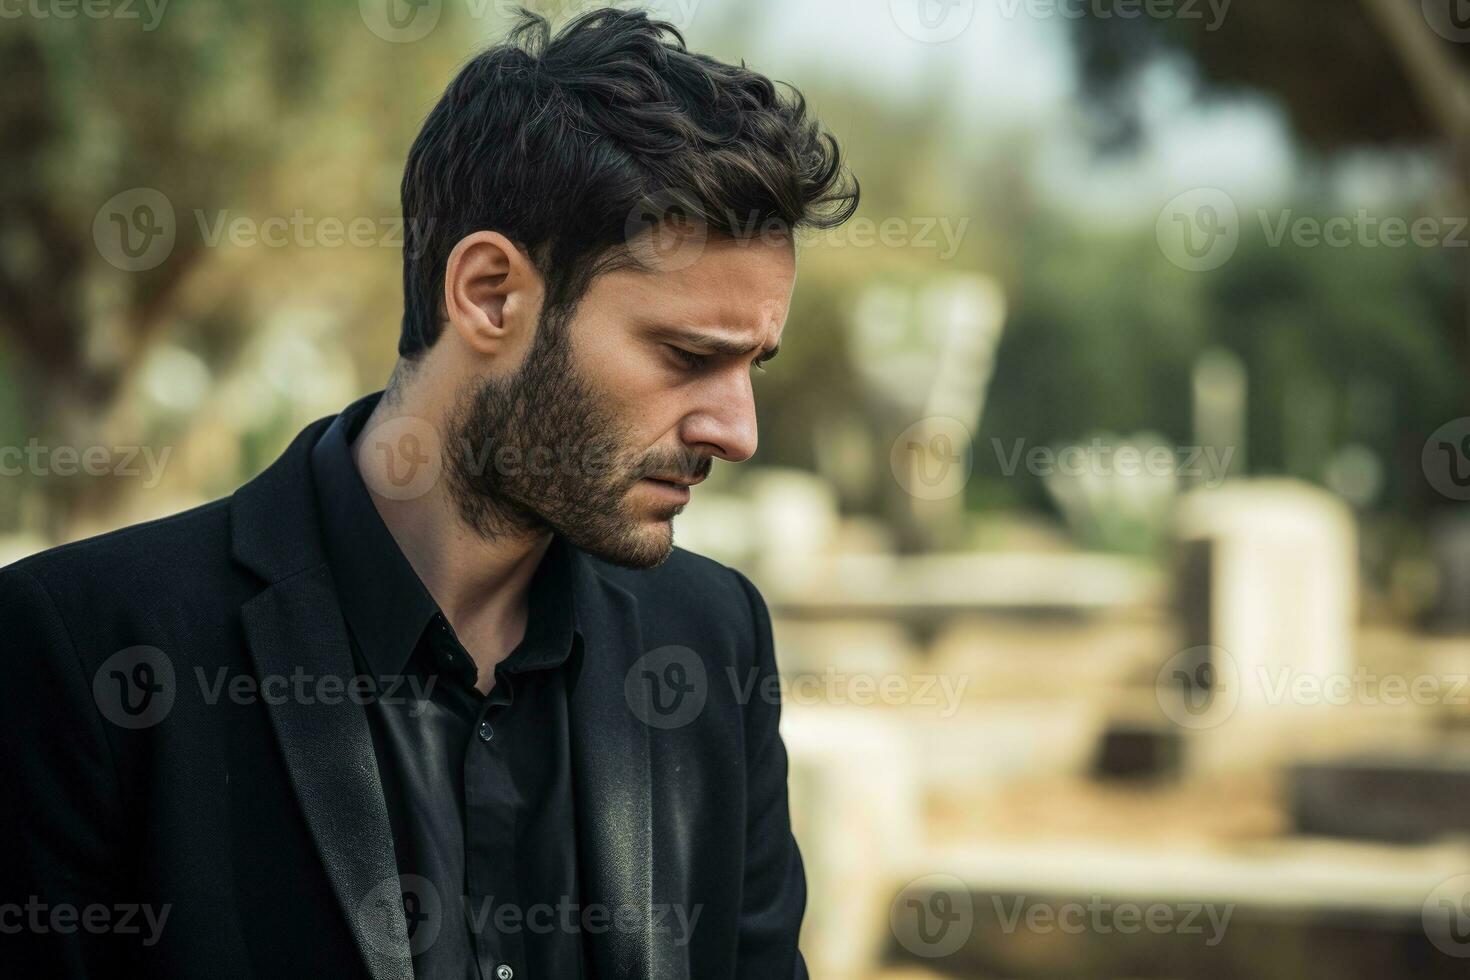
x=263, y=111
x=94, y=106
x=1105, y=333
x=97, y=106
x=1380, y=73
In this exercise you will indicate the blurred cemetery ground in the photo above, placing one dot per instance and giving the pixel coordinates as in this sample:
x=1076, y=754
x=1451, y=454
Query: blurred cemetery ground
x=1111, y=497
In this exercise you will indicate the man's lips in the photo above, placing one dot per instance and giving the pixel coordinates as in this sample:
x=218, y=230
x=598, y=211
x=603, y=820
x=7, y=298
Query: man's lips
x=673, y=489
x=678, y=481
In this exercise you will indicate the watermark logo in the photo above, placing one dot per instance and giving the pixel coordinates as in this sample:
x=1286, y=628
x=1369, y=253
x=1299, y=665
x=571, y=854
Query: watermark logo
x=1450, y=19
x=1446, y=916
x=1198, y=688
x=400, y=21
x=933, y=916
x=135, y=688
x=664, y=233
x=1199, y=230
x=667, y=687
x=933, y=458
x=1446, y=459
x=135, y=230
x=423, y=910
x=404, y=457
x=932, y=21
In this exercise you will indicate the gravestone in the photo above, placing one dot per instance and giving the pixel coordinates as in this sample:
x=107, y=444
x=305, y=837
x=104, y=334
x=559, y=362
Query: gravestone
x=1269, y=583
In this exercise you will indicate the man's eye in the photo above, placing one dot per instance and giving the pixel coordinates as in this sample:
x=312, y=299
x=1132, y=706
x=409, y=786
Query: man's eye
x=688, y=358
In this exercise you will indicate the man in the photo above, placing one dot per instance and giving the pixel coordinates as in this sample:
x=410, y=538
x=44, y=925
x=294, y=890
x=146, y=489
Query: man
x=435, y=694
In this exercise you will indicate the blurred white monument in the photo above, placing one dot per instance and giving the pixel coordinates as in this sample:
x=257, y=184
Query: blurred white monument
x=1278, y=584
x=929, y=353
x=855, y=810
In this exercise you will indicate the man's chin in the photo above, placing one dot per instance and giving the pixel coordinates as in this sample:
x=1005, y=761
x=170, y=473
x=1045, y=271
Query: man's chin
x=650, y=547
x=638, y=544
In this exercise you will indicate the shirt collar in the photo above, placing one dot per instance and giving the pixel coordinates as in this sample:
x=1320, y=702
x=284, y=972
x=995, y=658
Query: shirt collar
x=383, y=600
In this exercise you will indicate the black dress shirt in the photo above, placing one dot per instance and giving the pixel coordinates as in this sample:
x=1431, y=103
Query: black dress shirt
x=478, y=787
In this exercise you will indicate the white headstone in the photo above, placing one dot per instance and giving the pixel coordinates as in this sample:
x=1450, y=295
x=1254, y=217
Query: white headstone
x=1282, y=590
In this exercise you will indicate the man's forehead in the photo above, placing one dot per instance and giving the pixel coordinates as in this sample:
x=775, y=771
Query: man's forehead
x=760, y=321
x=728, y=295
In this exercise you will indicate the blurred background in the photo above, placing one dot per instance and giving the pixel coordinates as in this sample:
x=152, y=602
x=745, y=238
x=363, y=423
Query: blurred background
x=1111, y=497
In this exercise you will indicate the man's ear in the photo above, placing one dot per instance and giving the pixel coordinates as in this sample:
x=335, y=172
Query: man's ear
x=492, y=292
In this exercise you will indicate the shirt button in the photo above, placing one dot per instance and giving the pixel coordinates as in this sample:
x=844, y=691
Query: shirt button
x=486, y=734
x=503, y=972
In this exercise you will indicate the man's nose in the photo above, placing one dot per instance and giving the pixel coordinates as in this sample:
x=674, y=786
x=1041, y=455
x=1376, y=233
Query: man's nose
x=725, y=424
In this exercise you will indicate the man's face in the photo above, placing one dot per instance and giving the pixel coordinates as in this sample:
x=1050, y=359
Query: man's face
x=615, y=413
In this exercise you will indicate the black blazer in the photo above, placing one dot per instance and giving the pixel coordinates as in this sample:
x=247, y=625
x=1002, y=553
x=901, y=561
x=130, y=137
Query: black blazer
x=257, y=823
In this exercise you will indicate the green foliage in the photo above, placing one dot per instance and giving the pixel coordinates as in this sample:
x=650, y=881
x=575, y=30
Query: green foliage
x=1105, y=334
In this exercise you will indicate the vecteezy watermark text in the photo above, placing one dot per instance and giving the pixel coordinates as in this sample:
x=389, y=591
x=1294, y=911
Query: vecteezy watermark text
x=309, y=689
x=405, y=21
x=1363, y=230
x=1100, y=916
x=1208, y=464
x=668, y=687
x=86, y=9
x=42, y=460
x=834, y=687
x=1200, y=230
x=542, y=918
x=1212, y=12
x=137, y=688
x=1286, y=685
x=40, y=917
x=303, y=230
x=426, y=909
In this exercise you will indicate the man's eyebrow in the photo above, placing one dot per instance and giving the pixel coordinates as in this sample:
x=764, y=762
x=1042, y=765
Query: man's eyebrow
x=724, y=345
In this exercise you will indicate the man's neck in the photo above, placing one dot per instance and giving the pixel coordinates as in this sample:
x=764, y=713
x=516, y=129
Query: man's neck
x=481, y=585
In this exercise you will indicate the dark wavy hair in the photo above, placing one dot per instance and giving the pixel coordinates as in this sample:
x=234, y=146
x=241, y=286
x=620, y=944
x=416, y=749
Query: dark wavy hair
x=555, y=141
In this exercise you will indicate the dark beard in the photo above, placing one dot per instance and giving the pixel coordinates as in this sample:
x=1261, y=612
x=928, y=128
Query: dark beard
x=538, y=451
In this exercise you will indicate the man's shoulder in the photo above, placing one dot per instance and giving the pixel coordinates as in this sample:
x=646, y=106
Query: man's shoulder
x=698, y=610
x=192, y=545
x=691, y=599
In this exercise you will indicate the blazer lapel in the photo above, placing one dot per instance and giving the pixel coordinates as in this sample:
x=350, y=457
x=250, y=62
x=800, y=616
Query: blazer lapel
x=296, y=624
x=613, y=786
